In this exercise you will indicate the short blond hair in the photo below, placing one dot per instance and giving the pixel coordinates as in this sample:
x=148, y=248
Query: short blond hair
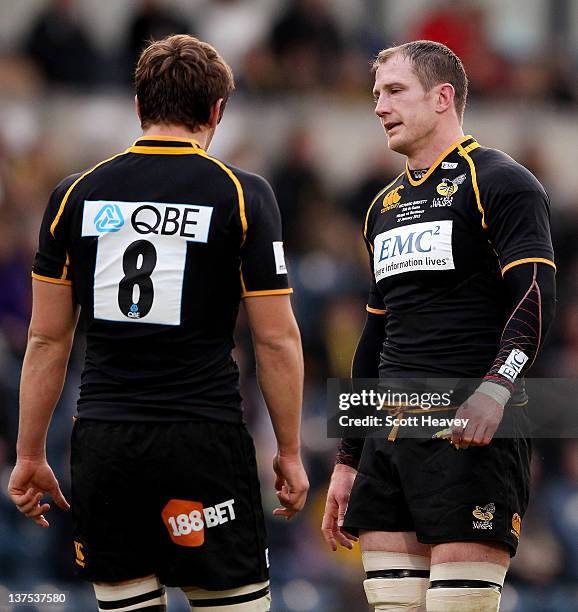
x=433, y=63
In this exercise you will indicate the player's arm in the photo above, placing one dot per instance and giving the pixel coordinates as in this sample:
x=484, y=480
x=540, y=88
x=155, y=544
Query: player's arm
x=518, y=226
x=532, y=291
x=365, y=365
x=531, y=288
x=54, y=316
x=279, y=358
x=277, y=342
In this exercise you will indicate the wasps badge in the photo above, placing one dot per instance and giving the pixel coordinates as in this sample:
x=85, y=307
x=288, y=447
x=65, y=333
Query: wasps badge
x=486, y=513
x=448, y=187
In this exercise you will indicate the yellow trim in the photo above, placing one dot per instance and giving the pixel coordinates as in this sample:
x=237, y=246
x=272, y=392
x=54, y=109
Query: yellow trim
x=243, y=287
x=528, y=260
x=464, y=154
x=169, y=138
x=54, y=281
x=471, y=147
x=162, y=150
x=266, y=292
x=373, y=202
x=240, y=194
x=197, y=151
x=434, y=409
x=69, y=191
x=437, y=162
x=65, y=268
x=375, y=310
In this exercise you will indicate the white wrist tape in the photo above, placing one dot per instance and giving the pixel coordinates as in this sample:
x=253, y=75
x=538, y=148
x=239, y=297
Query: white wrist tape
x=496, y=392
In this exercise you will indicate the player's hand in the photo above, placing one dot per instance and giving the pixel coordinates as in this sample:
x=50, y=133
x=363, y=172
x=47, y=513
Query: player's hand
x=291, y=484
x=29, y=482
x=336, y=505
x=484, y=415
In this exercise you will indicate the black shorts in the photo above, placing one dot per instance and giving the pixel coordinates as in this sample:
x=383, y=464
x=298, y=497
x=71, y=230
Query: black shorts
x=178, y=500
x=444, y=494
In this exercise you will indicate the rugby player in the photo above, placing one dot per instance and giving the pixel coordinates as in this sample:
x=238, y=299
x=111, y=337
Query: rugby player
x=154, y=249
x=463, y=285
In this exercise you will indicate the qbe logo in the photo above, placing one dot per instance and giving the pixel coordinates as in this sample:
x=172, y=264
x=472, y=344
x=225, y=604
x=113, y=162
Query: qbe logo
x=420, y=246
x=109, y=219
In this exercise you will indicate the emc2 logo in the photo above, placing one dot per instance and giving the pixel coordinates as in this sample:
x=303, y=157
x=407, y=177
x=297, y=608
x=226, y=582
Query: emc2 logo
x=415, y=242
x=109, y=219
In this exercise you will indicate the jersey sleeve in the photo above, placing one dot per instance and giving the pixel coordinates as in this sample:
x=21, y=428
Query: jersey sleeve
x=52, y=263
x=374, y=300
x=517, y=215
x=263, y=267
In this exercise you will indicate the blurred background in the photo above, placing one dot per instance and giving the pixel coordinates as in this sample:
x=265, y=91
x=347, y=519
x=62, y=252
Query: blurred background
x=303, y=117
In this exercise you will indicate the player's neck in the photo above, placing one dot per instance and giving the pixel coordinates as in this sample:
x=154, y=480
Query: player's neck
x=203, y=137
x=426, y=153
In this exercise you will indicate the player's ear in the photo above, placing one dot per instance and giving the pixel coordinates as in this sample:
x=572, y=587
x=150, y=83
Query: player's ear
x=137, y=106
x=216, y=113
x=445, y=97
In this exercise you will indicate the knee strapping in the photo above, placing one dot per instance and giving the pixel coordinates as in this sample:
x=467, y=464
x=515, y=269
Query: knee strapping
x=465, y=587
x=250, y=598
x=396, y=582
x=146, y=593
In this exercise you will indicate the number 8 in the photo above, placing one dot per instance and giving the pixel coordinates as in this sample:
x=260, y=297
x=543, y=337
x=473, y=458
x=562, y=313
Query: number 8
x=137, y=276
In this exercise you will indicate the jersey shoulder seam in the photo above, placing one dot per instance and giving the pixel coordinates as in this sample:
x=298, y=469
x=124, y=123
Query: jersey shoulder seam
x=238, y=186
x=71, y=188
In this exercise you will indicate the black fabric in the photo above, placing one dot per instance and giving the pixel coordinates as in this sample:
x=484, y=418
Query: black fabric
x=398, y=573
x=177, y=500
x=430, y=487
x=532, y=291
x=130, y=601
x=465, y=584
x=154, y=608
x=167, y=355
x=349, y=451
x=365, y=365
x=230, y=601
x=437, y=252
x=366, y=358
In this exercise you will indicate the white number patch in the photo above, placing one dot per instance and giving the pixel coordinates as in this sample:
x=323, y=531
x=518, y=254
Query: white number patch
x=141, y=256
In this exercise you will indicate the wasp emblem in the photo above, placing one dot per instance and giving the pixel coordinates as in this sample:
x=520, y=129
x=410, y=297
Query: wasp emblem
x=448, y=187
x=486, y=513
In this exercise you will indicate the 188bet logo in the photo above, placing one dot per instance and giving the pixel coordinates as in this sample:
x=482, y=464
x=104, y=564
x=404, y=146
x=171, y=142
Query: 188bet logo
x=186, y=520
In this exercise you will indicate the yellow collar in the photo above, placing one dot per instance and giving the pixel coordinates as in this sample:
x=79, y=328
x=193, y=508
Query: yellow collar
x=189, y=145
x=437, y=162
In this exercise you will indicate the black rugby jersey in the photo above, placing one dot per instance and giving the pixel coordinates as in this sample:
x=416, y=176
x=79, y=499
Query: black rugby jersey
x=160, y=243
x=439, y=246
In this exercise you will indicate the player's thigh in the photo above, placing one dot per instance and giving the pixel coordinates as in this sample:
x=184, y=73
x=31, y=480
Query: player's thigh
x=482, y=552
x=397, y=570
x=392, y=541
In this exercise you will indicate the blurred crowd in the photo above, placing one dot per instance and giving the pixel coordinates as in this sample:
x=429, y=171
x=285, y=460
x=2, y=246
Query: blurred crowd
x=304, y=47
x=295, y=45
